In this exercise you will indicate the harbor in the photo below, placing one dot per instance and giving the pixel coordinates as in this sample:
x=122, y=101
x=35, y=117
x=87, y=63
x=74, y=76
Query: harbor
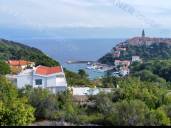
x=94, y=69
x=100, y=67
x=93, y=65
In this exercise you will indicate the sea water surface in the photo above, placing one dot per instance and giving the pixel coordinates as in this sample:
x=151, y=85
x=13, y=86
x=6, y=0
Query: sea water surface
x=63, y=50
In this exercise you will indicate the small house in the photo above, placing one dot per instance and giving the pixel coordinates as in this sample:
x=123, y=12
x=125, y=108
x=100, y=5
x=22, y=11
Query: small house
x=52, y=78
x=23, y=64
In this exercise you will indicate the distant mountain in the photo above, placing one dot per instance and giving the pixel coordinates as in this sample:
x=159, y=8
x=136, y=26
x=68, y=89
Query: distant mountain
x=145, y=47
x=14, y=50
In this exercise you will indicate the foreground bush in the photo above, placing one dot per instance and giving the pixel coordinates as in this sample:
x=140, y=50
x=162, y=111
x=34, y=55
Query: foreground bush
x=13, y=110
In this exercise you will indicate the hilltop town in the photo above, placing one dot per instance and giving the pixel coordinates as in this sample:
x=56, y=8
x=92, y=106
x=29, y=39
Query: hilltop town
x=137, y=49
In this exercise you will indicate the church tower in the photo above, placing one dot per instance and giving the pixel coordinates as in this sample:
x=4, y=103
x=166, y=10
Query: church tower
x=143, y=38
x=143, y=33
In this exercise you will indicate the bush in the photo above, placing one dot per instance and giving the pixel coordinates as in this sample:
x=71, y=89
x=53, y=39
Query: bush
x=129, y=113
x=46, y=104
x=13, y=110
x=4, y=68
x=157, y=118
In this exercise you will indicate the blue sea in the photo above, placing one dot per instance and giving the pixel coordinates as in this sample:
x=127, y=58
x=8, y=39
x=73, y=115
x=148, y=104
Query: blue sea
x=74, y=49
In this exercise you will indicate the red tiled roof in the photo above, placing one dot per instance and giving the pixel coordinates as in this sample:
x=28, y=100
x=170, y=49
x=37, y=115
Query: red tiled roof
x=18, y=62
x=43, y=70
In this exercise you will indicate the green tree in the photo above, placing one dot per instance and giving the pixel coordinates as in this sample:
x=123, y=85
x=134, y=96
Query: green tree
x=146, y=75
x=70, y=112
x=13, y=110
x=129, y=113
x=82, y=73
x=45, y=103
x=103, y=104
x=4, y=68
x=157, y=118
x=108, y=80
x=75, y=79
x=167, y=109
x=151, y=93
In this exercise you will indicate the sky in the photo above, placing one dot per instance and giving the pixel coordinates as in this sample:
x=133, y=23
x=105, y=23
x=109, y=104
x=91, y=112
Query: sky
x=84, y=18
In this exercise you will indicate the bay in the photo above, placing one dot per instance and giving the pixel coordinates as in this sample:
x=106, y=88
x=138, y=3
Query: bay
x=63, y=50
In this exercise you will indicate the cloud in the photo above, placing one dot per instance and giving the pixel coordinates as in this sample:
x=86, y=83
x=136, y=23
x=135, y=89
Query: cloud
x=48, y=14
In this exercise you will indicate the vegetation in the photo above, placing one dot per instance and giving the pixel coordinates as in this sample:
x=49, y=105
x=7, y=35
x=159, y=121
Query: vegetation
x=82, y=73
x=155, y=51
x=153, y=70
x=45, y=103
x=134, y=103
x=4, y=68
x=13, y=50
x=107, y=59
x=15, y=70
x=80, y=78
x=51, y=106
x=158, y=51
x=13, y=110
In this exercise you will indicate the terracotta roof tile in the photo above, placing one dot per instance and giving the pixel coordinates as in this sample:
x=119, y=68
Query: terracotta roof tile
x=43, y=70
x=18, y=62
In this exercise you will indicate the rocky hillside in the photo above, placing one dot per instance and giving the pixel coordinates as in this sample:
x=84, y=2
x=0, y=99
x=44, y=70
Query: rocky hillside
x=14, y=50
x=145, y=47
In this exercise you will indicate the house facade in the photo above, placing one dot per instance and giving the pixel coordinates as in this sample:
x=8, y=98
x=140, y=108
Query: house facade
x=52, y=78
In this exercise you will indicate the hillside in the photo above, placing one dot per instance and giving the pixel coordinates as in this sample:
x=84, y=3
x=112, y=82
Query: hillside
x=14, y=50
x=145, y=47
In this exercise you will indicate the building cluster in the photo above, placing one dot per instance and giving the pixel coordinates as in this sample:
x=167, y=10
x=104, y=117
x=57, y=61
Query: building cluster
x=52, y=78
x=123, y=65
x=117, y=51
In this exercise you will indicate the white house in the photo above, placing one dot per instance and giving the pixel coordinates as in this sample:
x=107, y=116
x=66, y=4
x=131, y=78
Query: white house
x=52, y=78
x=136, y=59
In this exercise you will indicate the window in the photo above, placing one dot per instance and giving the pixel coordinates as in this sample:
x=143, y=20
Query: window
x=38, y=82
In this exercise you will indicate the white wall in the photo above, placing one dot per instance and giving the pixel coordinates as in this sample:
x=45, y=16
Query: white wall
x=61, y=81
x=51, y=81
x=82, y=91
x=24, y=80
